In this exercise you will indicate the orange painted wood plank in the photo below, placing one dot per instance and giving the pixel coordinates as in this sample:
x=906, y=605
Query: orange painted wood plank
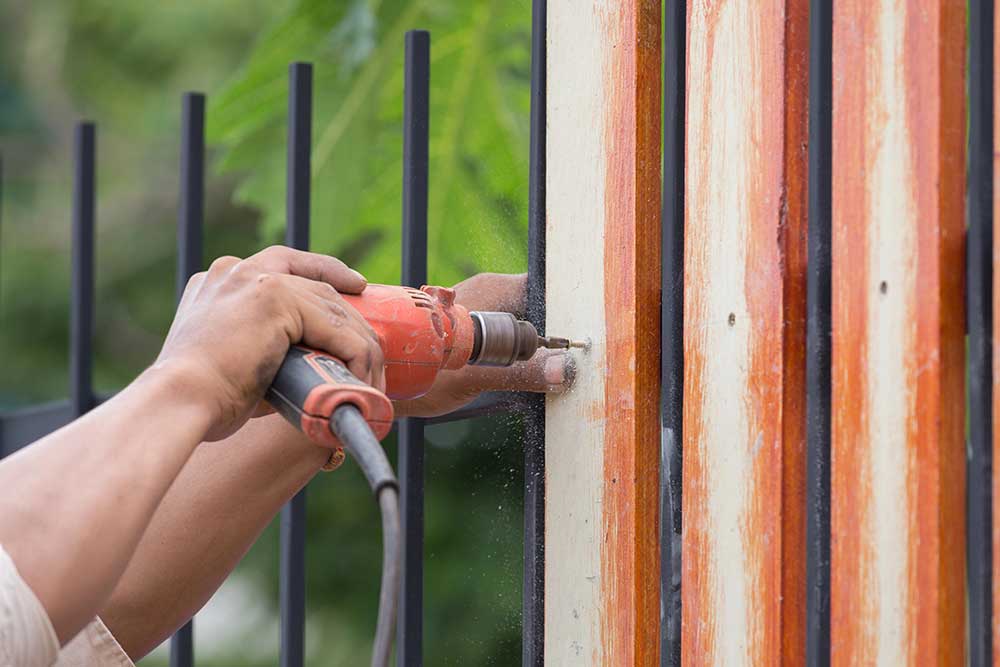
x=603, y=282
x=743, y=581
x=898, y=476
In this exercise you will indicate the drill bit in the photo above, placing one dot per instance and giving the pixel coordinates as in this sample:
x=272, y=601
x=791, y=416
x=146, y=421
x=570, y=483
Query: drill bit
x=553, y=343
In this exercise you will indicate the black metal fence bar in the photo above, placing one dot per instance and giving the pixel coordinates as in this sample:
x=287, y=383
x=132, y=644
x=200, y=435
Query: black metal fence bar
x=818, y=335
x=81, y=329
x=1, y=258
x=533, y=595
x=293, y=515
x=672, y=325
x=979, y=308
x=24, y=426
x=191, y=211
x=189, y=261
x=416, y=125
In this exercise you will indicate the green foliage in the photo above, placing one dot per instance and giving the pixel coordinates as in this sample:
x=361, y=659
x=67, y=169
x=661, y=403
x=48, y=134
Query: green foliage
x=124, y=64
x=479, y=130
x=480, y=54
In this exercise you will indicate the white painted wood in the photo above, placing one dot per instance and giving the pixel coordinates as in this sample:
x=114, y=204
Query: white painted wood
x=892, y=245
x=574, y=433
x=720, y=198
x=603, y=282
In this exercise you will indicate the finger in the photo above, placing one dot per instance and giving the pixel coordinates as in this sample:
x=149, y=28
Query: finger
x=322, y=268
x=344, y=313
x=323, y=293
x=338, y=307
x=262, y=409
x=549, y=371
x=493, y=292
x=326, y=292
x=330, y=333
x=222, y=265
x=379, y=370
x=191, y=289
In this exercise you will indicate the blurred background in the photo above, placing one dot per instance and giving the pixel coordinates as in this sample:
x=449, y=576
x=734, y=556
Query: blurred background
x=124, y=64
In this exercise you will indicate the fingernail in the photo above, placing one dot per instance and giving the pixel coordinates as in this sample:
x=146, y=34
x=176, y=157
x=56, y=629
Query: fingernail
x=359, y=276
x=558, y=369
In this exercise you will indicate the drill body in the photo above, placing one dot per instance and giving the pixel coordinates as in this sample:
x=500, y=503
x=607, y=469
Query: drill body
x=421, y=332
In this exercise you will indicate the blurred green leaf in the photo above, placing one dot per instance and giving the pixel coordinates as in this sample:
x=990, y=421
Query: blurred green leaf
x=479, y=131
x=124, y=63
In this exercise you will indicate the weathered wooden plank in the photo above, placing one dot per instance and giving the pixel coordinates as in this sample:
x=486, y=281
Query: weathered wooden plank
x=603, y=282
x=744, y=384
x=898, y=478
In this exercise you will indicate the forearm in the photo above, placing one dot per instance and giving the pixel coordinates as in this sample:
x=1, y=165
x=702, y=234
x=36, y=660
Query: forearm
x=77, y=502
x=223, y=498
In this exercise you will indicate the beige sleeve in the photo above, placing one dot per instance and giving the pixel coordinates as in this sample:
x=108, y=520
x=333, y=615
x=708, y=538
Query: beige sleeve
x=27, y=638
x=95, y=646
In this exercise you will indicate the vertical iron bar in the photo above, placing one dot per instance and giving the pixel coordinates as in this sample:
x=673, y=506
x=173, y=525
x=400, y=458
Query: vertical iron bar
x=533, y=596
x=979, y=306
x=293, y=515
x=82, y=288
x=2, y=452
x=3, y=446
x=672, y=323
x=1, y=258
x=182, y=646
x=416, y=127
x=818, y=332
x=192, y=195
x=190, y=217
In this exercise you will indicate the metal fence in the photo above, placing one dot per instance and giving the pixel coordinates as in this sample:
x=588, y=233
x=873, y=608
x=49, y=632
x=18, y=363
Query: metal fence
x=979, y=299
x=22, y=427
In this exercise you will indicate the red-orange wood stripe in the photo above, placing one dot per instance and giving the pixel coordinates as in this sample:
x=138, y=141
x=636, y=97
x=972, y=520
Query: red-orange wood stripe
x=897, y=553
x=744, y=387
x=630, y=550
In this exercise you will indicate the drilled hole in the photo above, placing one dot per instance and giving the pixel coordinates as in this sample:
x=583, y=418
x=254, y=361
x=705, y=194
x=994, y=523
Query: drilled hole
x=883, y=287
x=732, y=319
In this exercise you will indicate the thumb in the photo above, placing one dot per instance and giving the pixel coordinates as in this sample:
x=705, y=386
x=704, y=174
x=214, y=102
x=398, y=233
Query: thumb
x=548, y=371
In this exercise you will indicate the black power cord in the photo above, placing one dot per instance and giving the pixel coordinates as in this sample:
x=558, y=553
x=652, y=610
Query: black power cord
x=352, y=430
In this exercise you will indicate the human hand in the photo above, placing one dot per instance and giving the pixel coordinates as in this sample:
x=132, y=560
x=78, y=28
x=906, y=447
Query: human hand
x=236, y=321
x=549, y=371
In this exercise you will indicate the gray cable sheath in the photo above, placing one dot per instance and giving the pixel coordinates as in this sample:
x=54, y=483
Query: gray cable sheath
x=388, y=500
x=352, y=430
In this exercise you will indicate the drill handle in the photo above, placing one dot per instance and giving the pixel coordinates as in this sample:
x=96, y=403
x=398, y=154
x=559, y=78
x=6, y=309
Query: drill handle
x=311, y=385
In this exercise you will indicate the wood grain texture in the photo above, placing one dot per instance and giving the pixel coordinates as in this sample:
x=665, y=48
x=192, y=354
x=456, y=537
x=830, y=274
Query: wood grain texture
x=898, y=478
x=603, y=282
x=744, y=376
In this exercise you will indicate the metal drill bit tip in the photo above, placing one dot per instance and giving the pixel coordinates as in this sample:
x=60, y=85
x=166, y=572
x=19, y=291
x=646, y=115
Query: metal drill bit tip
x=553, y=343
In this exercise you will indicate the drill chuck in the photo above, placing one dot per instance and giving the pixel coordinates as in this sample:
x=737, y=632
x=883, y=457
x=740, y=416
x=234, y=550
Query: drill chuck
x=500, y=339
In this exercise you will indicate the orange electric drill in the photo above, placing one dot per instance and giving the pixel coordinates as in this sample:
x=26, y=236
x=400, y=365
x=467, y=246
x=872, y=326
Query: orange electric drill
x=421, y=332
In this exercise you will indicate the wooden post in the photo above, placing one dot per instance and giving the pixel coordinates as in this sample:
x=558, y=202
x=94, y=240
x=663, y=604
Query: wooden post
x=603, y=282
x=743, y=581
x=898, y=459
